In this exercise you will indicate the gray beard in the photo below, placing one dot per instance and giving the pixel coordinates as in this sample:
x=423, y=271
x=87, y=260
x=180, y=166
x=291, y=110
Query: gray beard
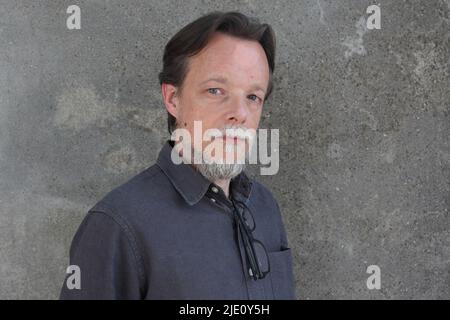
x=220, y=171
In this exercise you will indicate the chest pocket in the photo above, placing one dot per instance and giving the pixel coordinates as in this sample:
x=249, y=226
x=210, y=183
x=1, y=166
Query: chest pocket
x=281, y=274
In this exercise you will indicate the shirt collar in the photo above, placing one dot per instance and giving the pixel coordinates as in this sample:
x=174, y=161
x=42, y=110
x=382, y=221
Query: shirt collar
x=191, y=184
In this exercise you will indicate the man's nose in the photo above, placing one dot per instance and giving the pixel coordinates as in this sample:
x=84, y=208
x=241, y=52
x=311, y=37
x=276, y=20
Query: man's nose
x=238, y=111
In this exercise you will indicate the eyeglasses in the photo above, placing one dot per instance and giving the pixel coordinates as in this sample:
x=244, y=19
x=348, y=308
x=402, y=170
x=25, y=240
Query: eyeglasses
x=255, y=251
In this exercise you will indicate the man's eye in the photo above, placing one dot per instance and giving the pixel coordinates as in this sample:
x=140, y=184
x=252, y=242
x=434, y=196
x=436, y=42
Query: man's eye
x=214, y=91
x=254, y=97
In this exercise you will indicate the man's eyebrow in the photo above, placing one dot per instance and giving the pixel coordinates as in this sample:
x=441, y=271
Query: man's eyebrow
x=258, y=87
x=217, y=79
x=225, y=80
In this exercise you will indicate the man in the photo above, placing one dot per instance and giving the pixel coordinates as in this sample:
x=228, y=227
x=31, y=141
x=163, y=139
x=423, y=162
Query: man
x=194, y=230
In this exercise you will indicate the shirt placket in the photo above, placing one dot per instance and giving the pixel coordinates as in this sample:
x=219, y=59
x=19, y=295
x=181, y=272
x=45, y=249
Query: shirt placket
x=255, y=288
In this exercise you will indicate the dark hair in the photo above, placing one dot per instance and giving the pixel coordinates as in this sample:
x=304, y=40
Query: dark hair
x=196, y=35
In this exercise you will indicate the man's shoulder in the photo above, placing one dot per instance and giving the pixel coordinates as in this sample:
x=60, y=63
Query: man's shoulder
x=261, y=192
x=148, y=184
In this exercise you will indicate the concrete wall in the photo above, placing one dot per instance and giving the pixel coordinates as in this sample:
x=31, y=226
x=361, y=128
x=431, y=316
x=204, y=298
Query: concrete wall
x=364, y=127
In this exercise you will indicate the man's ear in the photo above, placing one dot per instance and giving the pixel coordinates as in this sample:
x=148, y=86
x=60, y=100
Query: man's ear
x=170, y=99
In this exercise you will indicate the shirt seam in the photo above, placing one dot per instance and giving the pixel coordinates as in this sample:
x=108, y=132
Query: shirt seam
x=129, y=234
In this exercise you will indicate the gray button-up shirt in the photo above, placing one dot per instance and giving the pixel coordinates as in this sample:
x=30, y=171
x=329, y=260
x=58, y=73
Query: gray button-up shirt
x=169, y=233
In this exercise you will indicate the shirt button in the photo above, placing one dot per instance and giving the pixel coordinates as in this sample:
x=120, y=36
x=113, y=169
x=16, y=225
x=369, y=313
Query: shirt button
x=214, y=189
x=213, y=200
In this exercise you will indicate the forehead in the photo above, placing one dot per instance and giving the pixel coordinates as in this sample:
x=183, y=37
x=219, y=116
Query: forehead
x=233, y=58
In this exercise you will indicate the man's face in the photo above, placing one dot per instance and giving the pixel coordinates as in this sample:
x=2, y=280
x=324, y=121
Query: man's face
x=224, y=87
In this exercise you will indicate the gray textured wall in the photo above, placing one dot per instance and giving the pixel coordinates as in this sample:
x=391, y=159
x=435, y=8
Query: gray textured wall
x=364, y=131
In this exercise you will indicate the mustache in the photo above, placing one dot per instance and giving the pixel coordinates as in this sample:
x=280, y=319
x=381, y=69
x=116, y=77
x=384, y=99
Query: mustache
x=240, y=132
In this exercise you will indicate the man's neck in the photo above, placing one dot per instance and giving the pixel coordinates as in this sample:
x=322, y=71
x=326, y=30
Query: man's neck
x=225, y=185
